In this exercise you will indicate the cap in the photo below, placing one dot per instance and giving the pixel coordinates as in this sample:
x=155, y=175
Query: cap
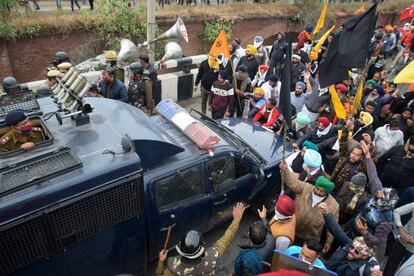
x=53, y=73
x=360, y=179
x=110, y=55
x=64, y=65
x=14, y=117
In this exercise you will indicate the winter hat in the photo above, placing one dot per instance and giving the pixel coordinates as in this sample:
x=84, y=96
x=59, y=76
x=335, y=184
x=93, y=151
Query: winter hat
x=273, y=78
x=324, y=121
x=342, y=88
x=285, y=206
x=309, y=145
x=366, y=118
x=14, y=117
x=301, y=85
x=223, y=74
x=360, y=179
x=309, y=28
x=258, y=91
x=303, y=119
x=379, y=89
x=312, y=158
x=251, y=50
x=249, y=259
x=325, y=184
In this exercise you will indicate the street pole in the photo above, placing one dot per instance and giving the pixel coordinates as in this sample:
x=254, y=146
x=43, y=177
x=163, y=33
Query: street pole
x=151, y=28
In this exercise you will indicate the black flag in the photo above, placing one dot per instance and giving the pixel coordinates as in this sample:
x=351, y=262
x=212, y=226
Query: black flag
x=349, y=49
x=355, y=39
x=330, y=71
x=285, y=105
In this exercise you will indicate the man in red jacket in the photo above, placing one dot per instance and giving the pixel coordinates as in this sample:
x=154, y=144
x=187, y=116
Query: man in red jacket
x=268, y=114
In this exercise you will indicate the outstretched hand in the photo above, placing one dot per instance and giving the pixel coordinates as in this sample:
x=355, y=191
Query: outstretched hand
x=238, y=210
x=262, y=213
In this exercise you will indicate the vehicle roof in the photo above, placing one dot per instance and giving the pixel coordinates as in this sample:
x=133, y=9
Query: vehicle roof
x=109, y=122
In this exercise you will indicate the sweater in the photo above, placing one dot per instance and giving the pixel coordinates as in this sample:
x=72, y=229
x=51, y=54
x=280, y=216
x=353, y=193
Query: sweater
x=385, y=139
x=221, y=96
x=309, y=220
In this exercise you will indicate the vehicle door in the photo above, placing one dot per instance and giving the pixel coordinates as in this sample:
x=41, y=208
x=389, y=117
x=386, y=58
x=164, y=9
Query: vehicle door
x=180, y=199
x=231, y=179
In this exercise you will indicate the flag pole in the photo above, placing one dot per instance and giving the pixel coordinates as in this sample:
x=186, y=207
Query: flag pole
x=235, y=82
x=282, y=183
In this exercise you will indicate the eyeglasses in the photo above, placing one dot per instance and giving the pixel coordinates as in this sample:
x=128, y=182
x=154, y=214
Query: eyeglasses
x=355, y=250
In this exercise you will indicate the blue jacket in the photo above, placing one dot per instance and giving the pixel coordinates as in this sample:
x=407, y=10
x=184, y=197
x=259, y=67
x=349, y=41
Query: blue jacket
x=116, y=91
x=338, y=262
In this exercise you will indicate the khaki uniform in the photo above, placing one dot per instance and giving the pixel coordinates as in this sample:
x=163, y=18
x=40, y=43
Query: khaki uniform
x=10, y=142
x=140, y=94
x=207, y=265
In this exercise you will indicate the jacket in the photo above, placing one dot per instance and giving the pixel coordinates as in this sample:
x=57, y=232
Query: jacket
x=384, y=139
x=311, y=135
x=397, y=171
x=116, y=91
x=270, y=117
x=315, y=101
x=277, y=54
x=309, y=220
x=205, y=75
x=409, y=226
x=207, y=269
x=252, y=66
x=338, y=262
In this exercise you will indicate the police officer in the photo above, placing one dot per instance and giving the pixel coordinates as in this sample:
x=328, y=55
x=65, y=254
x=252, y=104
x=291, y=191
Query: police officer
x=110, y=59
x=194, y=258
x=156, y=87
x=51, y=77
x=10, y=85
x=140, y=88
x=22, y=134
x=60, y=57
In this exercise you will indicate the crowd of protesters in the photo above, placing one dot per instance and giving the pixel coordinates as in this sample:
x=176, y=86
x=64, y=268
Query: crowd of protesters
x=349, y=185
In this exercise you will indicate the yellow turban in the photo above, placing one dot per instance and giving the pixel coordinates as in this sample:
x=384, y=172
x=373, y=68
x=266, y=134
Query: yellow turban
x=258, y=91
x=251, y=50
x=213, y=63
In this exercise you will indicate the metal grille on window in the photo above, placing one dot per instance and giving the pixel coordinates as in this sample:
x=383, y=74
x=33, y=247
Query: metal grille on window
x=222, y=173
x=22, y=245
x=23, y=100
x=179, y=187
x=91, y=215
x=48, y=233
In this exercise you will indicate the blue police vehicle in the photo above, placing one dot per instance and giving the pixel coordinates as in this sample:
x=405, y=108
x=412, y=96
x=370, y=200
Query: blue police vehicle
x=97, y=196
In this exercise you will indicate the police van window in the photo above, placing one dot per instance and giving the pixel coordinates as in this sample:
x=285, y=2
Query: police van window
x=223, y=172
x=180, y=187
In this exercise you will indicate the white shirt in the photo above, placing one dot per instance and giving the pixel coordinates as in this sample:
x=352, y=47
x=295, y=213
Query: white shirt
x=271, y=91
x=386, y=139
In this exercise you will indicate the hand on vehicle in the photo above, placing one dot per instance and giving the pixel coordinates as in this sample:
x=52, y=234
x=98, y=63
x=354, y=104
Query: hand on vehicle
x=27, y=146
x=262, y=213
x=238, y=211
x=162, y=256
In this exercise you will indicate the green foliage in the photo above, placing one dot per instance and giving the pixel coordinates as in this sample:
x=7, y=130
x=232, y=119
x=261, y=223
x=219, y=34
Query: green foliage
x=33, y=31
x=5, y=8
x=213, y=27
x=309, y=11
x=7, y=31
x=116, y=20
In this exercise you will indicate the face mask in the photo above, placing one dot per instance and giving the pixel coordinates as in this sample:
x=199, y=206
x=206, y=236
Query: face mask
x=316, y=199
x=26, y=129
x=393, y=132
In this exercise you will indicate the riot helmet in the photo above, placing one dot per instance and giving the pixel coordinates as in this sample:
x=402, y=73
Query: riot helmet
x=10, y=85
x=191, y=245
x=137, y=68
x=60, y=57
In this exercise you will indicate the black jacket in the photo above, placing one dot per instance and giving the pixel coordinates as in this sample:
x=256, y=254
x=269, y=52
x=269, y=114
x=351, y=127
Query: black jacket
x=397, y=171
x=206, y=75
x=252, y=66
x=278, y=51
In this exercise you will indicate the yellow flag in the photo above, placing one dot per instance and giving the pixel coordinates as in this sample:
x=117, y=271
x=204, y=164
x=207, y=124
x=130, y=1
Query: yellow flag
x=337, y=105
x=315, y=51
x=360, y=10
x=406, y=75
x=358, y=97
x=321, y=20
x=220, y=46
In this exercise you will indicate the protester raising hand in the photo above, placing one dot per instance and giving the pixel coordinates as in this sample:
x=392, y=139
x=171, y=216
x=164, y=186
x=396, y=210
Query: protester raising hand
x=365, y=149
